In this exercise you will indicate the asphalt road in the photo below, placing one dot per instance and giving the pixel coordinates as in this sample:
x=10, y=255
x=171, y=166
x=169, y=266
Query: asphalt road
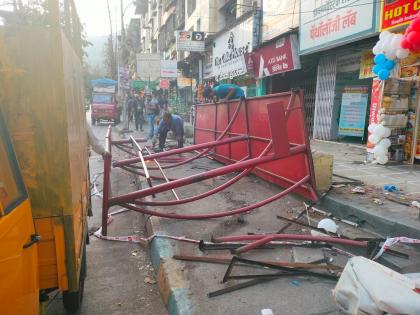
x=115, y=282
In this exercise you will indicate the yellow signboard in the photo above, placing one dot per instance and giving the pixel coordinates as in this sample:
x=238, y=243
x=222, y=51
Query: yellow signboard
x=366, y=65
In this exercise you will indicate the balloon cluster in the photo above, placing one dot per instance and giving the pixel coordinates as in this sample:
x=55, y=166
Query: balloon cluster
x=411, y=38
x=387, y=49
x=379, y=138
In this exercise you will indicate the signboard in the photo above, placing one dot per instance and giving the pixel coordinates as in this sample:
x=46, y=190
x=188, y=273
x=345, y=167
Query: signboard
x=190, y=41
x=395, y=13
x=168, y=69
x=353, y=111
x=279, y=17
x=124, y=75
x=104, y=89
x=164, y=84
x=366, y=64
x=229, y=49
x=185, y=82
x=148, y=66
x=280, y=56
x=328, y=23
x=375, y=106
x=141, y=85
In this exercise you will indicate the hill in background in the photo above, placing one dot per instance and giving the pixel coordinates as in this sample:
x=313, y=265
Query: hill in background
x=95, y=52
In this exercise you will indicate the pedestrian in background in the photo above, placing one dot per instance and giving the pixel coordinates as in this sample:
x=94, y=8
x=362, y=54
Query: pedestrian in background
x=139, y=112
x=224, y=92
x=152, y=109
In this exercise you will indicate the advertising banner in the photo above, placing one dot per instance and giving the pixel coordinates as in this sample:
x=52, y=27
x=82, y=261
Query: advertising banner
x=353, y=111
x=366, y=65
x=148, y=66
x=229, y=50
x=185, y=82
x=190, y=41
x=375, y=106
x=168, y=69
x=395, y=13
x=279, y=17
x=277, y=57
x=324, y=24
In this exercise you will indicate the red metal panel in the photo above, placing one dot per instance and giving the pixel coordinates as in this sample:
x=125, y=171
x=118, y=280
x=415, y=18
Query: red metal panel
x=283, y=172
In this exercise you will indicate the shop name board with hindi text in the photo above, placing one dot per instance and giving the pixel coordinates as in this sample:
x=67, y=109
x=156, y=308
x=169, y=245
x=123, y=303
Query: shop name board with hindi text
x=277, y=57
x=398, y=12
x=229, y=51
x=353, y=111
x=333, y=22
x=190, y=41
x=168, y=69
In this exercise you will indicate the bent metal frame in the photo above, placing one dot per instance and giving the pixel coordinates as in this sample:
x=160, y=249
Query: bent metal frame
x=263, y=135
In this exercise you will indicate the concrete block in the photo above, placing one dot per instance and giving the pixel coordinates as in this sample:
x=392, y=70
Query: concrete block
x=323, y=167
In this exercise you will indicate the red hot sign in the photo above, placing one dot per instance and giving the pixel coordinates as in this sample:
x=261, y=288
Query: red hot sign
x=277, y=57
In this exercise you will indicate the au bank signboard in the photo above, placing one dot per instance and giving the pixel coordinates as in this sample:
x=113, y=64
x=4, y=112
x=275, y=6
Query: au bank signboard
x=229, y=51
x=327, y=23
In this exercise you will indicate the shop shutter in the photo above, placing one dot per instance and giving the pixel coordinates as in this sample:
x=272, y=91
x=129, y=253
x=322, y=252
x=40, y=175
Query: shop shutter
x=324, y=100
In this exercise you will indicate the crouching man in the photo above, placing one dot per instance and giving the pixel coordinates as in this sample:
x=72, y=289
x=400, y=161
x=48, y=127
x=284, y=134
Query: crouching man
x=170, y=122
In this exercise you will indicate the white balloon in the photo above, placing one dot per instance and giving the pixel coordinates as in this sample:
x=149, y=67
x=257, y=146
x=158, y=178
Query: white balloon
x=389, y=54
x=386, y=132
x=379, y=151
x=376, y=50
x=386, y=143
x=382, y=159
x=374, y=139
x=402, y=53
x=382, y=131
x=395, y=43
x=384, y=34
x=372, y=127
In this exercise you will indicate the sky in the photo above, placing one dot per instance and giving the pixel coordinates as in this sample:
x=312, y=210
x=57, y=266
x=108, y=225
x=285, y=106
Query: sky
x=94, y=15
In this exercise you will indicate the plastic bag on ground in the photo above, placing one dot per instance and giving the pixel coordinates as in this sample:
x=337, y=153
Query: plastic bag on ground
x=366, y=287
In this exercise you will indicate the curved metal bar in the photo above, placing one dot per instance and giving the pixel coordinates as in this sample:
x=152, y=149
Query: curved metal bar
x=296, y=237
x=128, y=169
x=230, y=182
x=207, y=150
x=217, y=214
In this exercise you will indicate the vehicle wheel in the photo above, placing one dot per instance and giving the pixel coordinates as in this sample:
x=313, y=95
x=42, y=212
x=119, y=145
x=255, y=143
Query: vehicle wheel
x=73, y=300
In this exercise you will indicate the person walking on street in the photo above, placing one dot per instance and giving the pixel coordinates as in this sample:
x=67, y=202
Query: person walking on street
x=170, y=122
x=152, y=109
x=139, y=116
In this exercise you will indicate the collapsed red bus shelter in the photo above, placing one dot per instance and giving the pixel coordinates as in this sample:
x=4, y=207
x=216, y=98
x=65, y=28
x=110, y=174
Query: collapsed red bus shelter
x=263, y=135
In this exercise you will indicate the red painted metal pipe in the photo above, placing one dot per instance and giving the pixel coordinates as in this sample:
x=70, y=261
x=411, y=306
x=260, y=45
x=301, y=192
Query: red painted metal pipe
x=230, y=182
x=140, y=173
x=217, y=214
x=200, y=177
x=123, y=141
x=181, y=150
x=297, y=237
x=171, y=152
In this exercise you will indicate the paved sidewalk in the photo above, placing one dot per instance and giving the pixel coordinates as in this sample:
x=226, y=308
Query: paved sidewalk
x=350, y=161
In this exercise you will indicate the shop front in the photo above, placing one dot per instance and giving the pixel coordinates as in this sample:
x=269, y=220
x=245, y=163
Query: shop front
x=337, y=36
x=394, y=133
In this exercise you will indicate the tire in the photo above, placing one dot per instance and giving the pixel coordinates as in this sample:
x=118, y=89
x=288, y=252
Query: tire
x=73, y=300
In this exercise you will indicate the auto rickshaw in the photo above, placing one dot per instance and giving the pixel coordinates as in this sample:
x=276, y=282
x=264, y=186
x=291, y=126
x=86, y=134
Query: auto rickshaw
x=44, y=178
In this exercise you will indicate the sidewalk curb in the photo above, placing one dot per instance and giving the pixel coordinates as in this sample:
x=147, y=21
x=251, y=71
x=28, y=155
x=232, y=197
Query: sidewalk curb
x=377, y=223
x=173, y=286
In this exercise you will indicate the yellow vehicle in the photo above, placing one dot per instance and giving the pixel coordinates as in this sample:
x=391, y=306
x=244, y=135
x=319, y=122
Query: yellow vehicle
x=44, y=181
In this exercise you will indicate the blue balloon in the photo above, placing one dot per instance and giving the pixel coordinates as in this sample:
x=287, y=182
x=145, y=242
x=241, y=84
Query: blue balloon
x=383, y=74
x=389, y=64
x=376, y=69
x=380, y=59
